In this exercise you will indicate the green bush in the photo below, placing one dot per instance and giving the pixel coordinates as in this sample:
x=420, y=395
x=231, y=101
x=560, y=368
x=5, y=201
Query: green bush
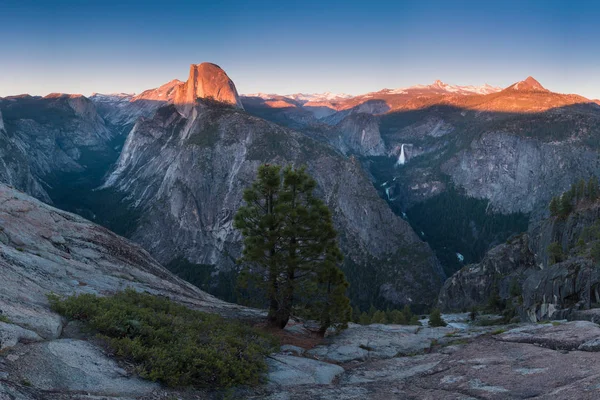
x=171, y=343
x=435, y=318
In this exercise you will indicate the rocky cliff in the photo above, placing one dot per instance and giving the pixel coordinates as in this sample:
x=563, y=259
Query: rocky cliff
x=519, y=174
x=187, y=176
x=121, y=110
x=46, y=137
x=206, y=81
x=525, y=277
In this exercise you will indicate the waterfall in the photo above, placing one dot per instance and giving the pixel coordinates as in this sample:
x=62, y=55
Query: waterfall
x=402, y=158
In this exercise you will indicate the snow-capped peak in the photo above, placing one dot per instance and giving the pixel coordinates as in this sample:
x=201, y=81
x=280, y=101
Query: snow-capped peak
x=303, y=97
x=439, y=86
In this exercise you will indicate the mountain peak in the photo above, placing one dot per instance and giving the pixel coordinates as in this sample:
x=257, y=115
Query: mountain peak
x=207, y=80
x=528, y=85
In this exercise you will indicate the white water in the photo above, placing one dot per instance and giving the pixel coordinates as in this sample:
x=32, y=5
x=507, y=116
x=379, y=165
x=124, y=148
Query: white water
x=387, y=192
x=402, y=158
x=460, y=257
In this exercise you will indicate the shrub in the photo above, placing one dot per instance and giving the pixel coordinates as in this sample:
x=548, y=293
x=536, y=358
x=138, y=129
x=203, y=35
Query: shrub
x=435, y=318
x=397, y=317
x=555, y=253
x=170, y=343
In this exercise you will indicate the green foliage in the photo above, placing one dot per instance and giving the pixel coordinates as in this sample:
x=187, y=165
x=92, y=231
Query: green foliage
x=473, y=313
x=592, y=188
x=495, y=303
x=554, y=206
x=454, y=222
x=364, y=319
x=397, y=317
x=379, y=318
x=581, y=189
x=555, y=253
x=290, y=249
x=595, y=252
x=4, y=318
x=205, y=135
x=565, y=206
x=515, y=289
x=435, y=318
x=170, y=343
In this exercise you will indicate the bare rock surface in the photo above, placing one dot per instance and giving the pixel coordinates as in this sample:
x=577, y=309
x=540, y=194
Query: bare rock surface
x=290, y=370
x=44, y=250
x=377, y=341
x=73, y=365
x=206, y=81
x=483, y=367
x=566, y=336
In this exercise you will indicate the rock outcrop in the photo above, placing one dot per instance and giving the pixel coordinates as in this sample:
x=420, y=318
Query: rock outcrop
x=122, y=110
x=522, y=268
x=502, y=266
x=359, y=134
x=520, y=174
x=15, y=168
x=206, y=81
x=49, y=136
x=44, y=250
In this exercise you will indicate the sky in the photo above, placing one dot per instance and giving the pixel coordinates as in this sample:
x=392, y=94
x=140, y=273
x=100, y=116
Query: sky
x=297, y=46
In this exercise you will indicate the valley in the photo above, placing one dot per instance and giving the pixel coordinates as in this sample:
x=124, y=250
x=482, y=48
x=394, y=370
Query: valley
x=439, y=194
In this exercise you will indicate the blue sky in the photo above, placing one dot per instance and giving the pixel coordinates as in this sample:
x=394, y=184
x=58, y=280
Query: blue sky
x=309, y=46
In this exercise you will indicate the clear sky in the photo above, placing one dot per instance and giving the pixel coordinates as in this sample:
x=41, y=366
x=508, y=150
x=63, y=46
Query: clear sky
x=298, y=46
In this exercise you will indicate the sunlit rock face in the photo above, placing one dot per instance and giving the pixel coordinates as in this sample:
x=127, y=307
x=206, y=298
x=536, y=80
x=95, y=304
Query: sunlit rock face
x=206, y=81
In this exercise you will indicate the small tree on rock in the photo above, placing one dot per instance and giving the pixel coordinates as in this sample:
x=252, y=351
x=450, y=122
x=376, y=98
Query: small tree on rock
x=554, y=207
x=435, y=318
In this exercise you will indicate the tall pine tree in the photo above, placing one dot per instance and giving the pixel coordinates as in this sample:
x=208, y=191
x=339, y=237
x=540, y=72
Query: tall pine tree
x=290, y=249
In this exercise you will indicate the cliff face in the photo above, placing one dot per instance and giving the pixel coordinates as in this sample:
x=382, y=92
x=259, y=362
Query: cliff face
x=206, y=81
x=43, y=137
x=359, y=134
x=187, y=175
x=473, y=284
x=546, y=290
x=517, y=173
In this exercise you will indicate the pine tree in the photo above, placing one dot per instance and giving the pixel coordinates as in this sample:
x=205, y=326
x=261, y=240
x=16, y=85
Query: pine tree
x=555, y=253
x=364, y=319
x=379, y=318
x=259, y=222
x=408, y=315
x=397, y=317
x=290, y=249
x=565, y=204
x=592, y=188
x=554, y=206
x=581, y=189
x=435, y=318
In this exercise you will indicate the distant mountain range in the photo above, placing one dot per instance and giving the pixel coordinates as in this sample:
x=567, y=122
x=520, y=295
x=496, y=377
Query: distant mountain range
x=418, y=178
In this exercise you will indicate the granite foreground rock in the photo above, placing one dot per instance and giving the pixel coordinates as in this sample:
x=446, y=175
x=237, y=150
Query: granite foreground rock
x=488, y=365
x=44, y=250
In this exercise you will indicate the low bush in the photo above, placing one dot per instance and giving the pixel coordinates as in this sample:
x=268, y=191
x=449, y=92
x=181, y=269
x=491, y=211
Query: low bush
x=435, y=318
x=171, y=343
